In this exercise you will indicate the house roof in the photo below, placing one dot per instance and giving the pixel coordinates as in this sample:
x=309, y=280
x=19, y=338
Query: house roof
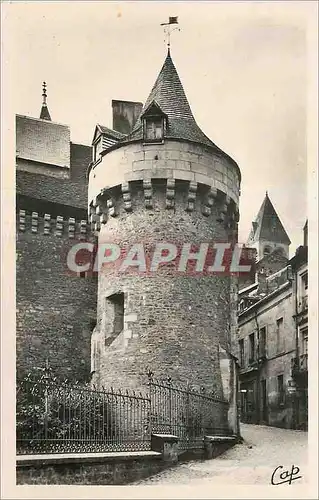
x=42, y=141
x=107, y=131
x=267, y=225
x=153, y=109
x=263, y=300
x=169, y=95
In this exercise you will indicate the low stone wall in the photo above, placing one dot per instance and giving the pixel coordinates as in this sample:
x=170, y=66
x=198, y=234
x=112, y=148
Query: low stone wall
x=114, y=468
x=88, y=469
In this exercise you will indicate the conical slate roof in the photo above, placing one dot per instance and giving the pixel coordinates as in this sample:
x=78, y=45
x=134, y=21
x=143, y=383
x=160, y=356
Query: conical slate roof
x=267, y=225
x=169, y=95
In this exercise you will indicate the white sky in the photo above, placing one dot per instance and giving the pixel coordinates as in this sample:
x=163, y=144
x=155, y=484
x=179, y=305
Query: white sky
x=242, y=65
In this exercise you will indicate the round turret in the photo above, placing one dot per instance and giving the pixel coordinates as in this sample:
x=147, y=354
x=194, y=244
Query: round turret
x=165, y=183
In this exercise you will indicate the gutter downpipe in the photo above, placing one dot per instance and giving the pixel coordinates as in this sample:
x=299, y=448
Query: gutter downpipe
x=258, y=372
x=296, y=361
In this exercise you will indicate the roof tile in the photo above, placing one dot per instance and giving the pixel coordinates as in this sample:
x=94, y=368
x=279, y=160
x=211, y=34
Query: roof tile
x=169, y=94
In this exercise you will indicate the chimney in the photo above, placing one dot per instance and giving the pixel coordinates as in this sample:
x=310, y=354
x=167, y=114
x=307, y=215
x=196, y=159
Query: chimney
x=125, y=115
x=305, y=234
x=262, y=282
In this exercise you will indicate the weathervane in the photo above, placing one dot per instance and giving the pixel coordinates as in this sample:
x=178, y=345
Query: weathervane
x=168, y=30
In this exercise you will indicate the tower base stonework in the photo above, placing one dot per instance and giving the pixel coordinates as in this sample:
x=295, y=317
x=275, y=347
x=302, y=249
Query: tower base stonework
x=173, y=323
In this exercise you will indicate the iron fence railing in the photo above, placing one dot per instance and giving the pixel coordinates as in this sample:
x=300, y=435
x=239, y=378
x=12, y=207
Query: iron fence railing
x=186, y=413
x=60, y=417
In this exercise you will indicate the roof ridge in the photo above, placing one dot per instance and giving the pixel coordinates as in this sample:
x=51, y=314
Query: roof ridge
x=108, y=130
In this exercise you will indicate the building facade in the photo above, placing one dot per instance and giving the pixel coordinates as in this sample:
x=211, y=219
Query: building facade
x=299, y=265
x=272, y=342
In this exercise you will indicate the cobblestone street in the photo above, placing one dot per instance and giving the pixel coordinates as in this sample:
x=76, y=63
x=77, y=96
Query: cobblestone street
x=250, y=463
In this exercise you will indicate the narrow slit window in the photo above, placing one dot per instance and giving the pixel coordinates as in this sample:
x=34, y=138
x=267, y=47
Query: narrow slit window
x=114, y=316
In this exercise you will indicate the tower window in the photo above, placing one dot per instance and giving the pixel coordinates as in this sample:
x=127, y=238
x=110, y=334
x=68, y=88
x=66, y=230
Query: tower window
x=153, y=129
x=114, y=314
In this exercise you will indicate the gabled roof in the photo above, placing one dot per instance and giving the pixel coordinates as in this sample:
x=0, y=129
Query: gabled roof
x=169, y=95
x=267, y=225
x=114, y=134
x=153, y=109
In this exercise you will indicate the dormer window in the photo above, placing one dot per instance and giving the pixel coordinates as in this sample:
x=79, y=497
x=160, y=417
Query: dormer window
x=154, y=129
x=154, y=123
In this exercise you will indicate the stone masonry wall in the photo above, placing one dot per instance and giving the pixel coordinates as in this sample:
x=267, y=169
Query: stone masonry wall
x=55, y=311
x=171, y=160
x=173, y=324
x=36, y=180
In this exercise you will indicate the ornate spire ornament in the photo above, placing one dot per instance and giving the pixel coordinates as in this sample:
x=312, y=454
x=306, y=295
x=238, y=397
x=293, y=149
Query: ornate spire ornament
x=44, y=115
x=44, y=93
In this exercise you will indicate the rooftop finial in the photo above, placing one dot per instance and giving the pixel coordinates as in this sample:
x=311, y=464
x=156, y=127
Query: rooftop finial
x=168, y=30
x=44, y=115
x=44, y=92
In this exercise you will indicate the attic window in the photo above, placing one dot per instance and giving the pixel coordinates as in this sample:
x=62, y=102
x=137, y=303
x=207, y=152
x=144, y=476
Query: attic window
x=153, y=129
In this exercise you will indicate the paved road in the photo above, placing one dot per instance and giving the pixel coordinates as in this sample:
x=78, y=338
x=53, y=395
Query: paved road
x=252, y=462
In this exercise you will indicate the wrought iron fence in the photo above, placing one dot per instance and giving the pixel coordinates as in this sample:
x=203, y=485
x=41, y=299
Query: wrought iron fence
x=58, y=417
x=186, y=413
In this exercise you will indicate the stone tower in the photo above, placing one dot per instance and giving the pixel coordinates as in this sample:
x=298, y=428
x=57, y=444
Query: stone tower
x=267, y=233
x=165, y=181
